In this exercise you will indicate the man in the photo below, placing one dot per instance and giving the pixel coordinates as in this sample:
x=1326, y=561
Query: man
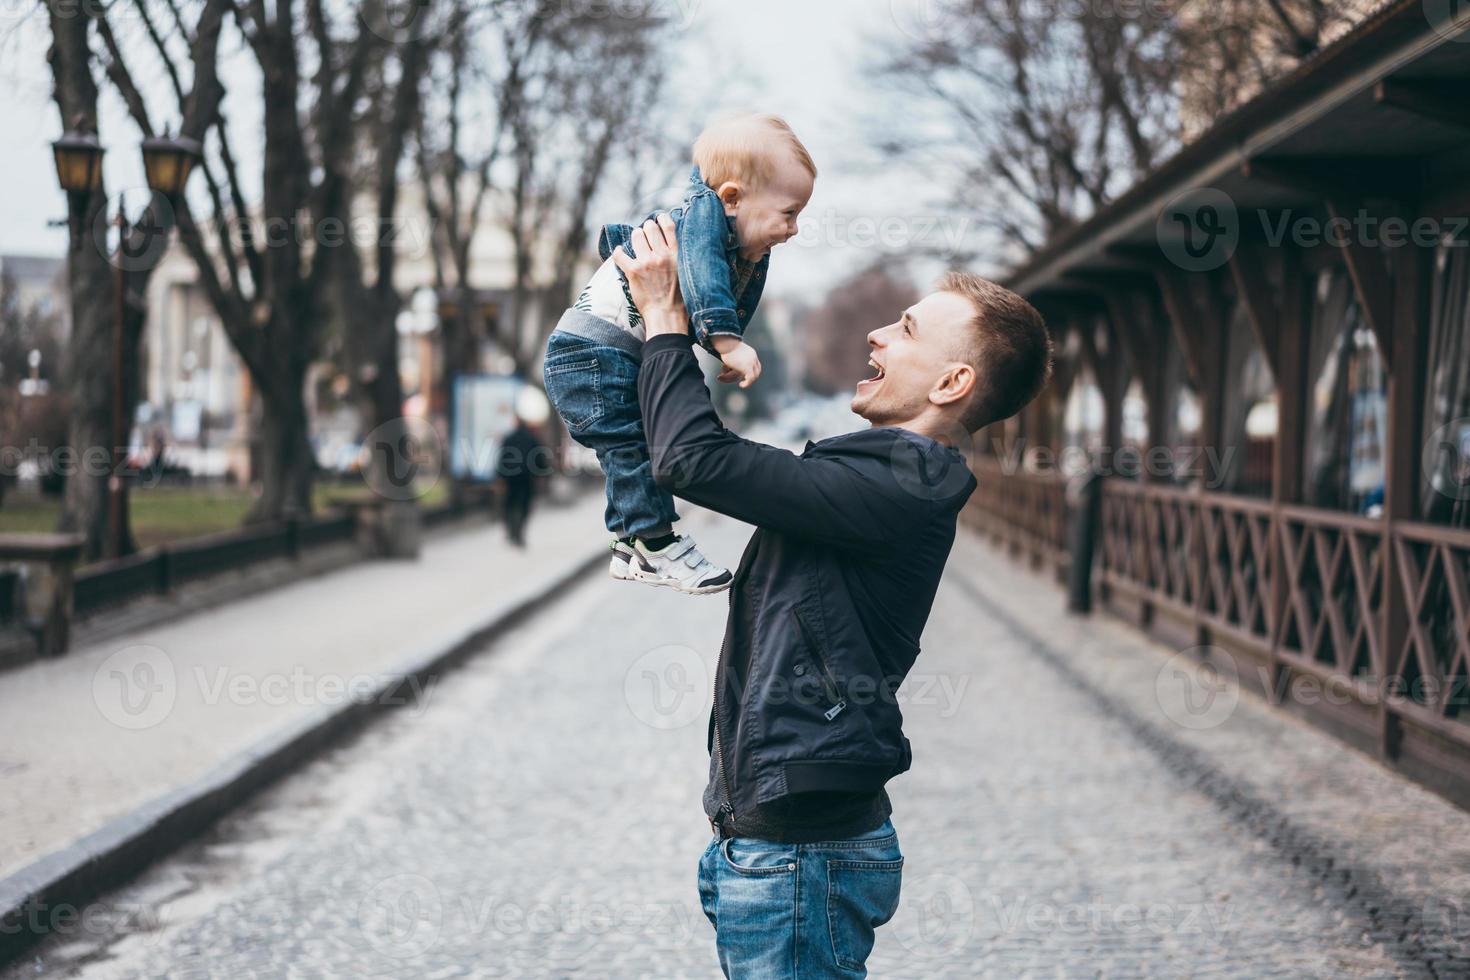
x=522, y=458
x=827, y=605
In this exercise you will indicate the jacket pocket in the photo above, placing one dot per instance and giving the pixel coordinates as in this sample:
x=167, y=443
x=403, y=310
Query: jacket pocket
x=837, y=703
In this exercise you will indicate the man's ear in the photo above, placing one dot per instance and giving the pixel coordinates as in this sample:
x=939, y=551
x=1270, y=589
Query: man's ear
x=729, y=194
x=954, y=385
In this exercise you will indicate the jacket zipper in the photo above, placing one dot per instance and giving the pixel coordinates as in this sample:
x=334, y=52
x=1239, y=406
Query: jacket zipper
x=726, y=807
x=829, y=682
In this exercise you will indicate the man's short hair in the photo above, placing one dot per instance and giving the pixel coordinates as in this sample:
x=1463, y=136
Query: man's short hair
x=746, y=148
x=1008, y=345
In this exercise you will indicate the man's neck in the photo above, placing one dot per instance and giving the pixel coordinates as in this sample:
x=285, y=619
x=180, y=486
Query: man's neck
x=941, y=430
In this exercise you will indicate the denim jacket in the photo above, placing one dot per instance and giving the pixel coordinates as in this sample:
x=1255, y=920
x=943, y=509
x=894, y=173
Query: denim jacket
x=710, y=266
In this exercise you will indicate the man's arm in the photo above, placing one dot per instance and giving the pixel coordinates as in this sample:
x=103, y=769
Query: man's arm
x=695, y=456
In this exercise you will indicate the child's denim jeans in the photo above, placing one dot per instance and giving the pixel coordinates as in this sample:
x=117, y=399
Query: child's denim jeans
x=595, y=390
x=799, y=910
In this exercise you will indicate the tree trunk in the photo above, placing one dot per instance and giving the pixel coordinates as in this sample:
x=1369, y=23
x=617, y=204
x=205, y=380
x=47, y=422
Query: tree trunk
x=287, y=463
x=90, y=286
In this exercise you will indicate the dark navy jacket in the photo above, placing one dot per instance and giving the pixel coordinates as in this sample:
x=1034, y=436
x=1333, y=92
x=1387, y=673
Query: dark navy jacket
x=831, y=594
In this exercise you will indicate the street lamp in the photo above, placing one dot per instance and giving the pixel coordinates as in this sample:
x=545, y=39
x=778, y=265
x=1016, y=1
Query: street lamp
x=79, y=169
x=78, y=161
x=167, y=163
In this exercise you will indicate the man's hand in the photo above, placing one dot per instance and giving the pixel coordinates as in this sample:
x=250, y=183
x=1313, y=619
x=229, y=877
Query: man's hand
x=653, y=277
x=740, y=359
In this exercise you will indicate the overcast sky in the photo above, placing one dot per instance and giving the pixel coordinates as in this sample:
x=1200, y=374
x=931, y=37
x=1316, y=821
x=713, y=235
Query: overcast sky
x=803, y=59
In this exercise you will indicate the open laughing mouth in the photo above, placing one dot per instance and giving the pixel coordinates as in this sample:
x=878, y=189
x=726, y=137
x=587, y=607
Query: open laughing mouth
x=875, y=378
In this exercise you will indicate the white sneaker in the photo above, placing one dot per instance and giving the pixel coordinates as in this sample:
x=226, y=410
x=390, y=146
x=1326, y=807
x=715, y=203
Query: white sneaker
x=679, y=565
x=622, y=556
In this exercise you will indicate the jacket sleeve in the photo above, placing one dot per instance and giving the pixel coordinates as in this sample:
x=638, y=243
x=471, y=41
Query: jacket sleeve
x=704, y=269
x=697, y=458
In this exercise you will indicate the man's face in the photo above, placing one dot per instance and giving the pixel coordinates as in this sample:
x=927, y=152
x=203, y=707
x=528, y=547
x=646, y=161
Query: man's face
x=910, y=356
x=765, y=216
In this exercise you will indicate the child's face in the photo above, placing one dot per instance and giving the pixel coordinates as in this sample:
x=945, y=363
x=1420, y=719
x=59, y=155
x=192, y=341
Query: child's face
x=765, y=216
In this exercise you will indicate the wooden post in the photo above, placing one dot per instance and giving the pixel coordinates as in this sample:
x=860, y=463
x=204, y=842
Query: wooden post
x=1293, y=381
x=1413, y=278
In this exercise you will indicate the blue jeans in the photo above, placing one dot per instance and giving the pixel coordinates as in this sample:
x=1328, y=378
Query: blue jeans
x=594, y=388
x=799, y=910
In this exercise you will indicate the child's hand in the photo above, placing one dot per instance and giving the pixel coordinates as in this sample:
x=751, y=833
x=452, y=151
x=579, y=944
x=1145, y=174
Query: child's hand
x=741, y=364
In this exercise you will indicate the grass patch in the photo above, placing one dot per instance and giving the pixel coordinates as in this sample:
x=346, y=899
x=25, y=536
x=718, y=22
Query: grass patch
x=168, y=513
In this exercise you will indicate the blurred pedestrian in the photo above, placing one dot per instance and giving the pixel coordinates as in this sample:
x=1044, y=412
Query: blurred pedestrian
x=522, y=461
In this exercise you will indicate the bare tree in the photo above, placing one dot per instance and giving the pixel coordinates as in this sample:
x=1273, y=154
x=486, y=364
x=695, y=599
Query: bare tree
x=835, y=333
x=264, y=259
x=98, y=290
x=1040, y=114
x=558, y=111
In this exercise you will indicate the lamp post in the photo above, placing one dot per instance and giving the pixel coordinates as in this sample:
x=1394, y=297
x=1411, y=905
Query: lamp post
x=79, y=169
x=167, y=163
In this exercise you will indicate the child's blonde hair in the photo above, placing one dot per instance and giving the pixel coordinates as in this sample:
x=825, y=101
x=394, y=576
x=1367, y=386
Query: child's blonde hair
x=743, y=148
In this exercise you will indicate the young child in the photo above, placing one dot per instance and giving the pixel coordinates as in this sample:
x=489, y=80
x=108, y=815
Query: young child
x=751, y=179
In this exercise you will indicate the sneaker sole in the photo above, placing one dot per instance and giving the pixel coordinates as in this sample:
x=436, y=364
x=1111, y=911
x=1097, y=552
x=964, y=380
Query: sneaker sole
x=644, y=579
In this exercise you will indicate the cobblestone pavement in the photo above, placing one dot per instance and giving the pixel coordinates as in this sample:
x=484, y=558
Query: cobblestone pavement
x=541, y=819
x=125, y=720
